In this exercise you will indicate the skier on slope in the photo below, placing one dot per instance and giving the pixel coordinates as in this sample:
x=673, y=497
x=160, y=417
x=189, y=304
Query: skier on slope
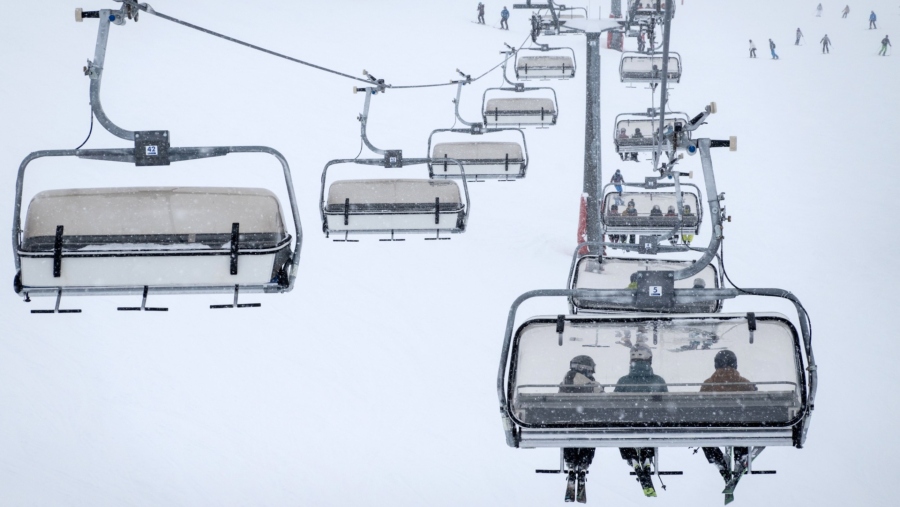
x=845, y=12
x=726, y=378
x=772, y=49
x=872, y=19
x=579, y=380
x=826, y=42
x=885, y=42
x=480, y=13
x=819, y=11
x=504, y=16
x=752, y=49
x=799, y=35
x=641, y=379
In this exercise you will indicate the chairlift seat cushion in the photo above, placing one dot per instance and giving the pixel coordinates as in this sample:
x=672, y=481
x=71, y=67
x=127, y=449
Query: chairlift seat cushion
x=393, y=204
x=520, y=111
x=762, y=407
x=544, y=67
x=154, y=236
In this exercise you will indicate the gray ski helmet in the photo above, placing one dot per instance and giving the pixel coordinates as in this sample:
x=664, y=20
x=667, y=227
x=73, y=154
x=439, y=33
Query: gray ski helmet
x=699, y=283
x=725, y=359
x=641, y=353
x=582, y=363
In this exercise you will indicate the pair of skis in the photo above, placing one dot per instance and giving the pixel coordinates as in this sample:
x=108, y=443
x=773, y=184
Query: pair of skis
x=740, y=468
x=574, y=494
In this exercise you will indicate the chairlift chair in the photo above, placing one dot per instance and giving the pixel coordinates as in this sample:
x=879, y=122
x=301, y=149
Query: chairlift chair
x=389, y=206
x=640, y=129
x=643, y=68
x=776, y=358
x=592, y=271
x=518, y=111
x=648, y=218
x=134, y=240
x=544, y=66
x=504, y=160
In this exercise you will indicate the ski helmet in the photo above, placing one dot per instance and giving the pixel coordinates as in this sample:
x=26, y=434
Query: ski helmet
x=641, y=353
x=699, y=283
x=725, y=359
x=583, y=364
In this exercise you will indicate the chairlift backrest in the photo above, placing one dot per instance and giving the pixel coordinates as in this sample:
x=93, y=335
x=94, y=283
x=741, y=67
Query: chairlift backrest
x=520, y=111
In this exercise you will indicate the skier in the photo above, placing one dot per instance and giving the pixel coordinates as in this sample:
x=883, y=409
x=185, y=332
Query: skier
x=623, y=135
x=671, y=212
x=614, y=212
x=641, y=379
x=819, y=11
x=480, y=13
x=845, y=12
x=504, y=16
x=772, y=48
x=630, y=211
x=752, y=49
x=872, y=19
x=727, y=379
x=885, y=42
x=799, y=35
x=617, y=180
x=640, y=42
x=579, y=379
x=656, y=212
x=637, y=135
x=826, y=42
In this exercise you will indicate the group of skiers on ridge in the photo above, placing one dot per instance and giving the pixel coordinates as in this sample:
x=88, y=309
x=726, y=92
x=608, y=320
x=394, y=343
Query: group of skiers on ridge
x=504, y=16
x=642, y=379
x=826, y=42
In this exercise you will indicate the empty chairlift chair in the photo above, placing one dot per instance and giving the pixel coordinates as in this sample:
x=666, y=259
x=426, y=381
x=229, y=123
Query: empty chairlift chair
x=686, y=407
x=168, y=240
x=153, y=236
x=596, y=272
x=644, y=68
x=651, y=213
x=546, y=66
x=388, y=206
x=480, y=159
x=524, y=111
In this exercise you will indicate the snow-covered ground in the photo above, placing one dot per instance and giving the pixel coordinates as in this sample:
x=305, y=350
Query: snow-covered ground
x=372, y=383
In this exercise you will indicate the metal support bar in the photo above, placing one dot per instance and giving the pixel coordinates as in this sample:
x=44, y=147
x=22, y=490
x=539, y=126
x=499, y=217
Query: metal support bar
x=592, y=166
x=664, y=93
x=715, y=213
x=94, y=70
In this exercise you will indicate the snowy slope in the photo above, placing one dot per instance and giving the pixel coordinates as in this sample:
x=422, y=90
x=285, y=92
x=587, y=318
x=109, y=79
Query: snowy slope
x=372, y=383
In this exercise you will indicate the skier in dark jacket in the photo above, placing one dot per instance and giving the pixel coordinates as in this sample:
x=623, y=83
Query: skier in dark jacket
x=641, y=379
x=656, y=211
x=772, y=49
x=872, y=19
x=885, y=42
x=579, y=380
x=726, y=379
x=480, y=13
x=617, y=181
x=504, y=16
x=826, y=42
x=799, y=35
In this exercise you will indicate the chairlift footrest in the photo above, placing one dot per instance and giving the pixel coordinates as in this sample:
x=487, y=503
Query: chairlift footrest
x=660, y=473
x=763, y=472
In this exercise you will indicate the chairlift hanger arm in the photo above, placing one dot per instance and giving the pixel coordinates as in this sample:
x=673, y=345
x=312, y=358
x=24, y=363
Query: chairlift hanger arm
x=175, y=155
